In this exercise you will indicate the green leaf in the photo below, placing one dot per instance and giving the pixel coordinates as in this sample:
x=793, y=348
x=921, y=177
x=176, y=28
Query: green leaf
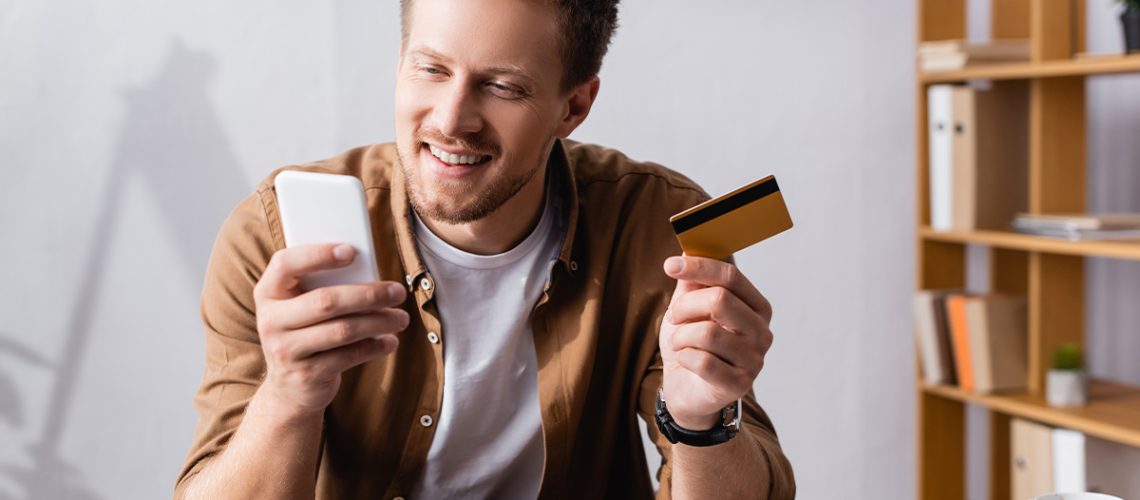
x=1068, y=356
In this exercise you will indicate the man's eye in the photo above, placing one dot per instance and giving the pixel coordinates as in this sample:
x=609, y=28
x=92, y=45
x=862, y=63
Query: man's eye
x=504, y=91
x=431, y=71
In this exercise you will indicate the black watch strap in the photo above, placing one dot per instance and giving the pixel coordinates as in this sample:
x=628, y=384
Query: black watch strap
x=720, y=433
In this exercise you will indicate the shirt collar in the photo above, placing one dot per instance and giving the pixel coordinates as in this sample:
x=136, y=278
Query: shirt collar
x=563, y=178
x=567, y=187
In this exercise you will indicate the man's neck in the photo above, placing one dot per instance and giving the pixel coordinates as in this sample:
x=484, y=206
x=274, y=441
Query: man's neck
x=504, y=228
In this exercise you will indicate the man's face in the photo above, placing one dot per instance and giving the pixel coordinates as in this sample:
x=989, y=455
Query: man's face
x=478, y=103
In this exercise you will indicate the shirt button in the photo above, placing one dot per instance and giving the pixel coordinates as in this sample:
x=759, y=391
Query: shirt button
x=433, y=337
x=573, y=265
x=425, y=420
x=425, y=284
x=398, y=498
x=408, y=280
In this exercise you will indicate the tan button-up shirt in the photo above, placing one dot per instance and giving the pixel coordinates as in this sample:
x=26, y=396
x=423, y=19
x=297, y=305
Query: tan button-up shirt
x=595, y=336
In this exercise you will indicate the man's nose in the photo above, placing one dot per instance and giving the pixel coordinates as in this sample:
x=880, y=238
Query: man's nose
x=457, y=113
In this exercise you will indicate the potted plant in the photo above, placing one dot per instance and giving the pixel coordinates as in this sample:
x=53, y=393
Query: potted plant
x=1066, y=383
x=1130, y=18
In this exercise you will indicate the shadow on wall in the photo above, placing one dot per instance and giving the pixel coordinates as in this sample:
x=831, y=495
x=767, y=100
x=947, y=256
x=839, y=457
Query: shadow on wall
x=172, y=141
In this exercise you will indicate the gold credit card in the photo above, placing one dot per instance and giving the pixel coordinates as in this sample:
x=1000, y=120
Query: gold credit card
x=721, y=226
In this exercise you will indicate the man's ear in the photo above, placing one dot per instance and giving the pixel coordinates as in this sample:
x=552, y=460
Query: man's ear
x=578, y=105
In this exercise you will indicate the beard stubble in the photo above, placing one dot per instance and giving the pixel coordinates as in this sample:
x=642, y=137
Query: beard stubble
x=445, y=208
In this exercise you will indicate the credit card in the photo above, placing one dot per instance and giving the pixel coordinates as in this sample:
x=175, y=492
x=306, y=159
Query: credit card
x=721, y=226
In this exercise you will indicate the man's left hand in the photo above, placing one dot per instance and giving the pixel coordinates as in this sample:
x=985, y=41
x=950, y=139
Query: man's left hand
x=713, y=339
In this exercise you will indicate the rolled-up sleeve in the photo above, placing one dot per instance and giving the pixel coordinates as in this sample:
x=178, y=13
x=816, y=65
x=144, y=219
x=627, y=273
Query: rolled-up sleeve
x=755, y=425
x=235, y=365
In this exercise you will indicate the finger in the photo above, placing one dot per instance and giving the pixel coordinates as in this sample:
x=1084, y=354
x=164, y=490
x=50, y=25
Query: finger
x=683, y=288
x=288, y=266
x=735, y=350
x=716, y=304
x=711, y=272
x=715, y=371
x=329, y=302
x=342, y=331
x=342, y=358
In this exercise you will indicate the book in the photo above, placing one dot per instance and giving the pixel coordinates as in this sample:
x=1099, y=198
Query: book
x=1069, y=473
x=999, y=342
x=926, y=337
x=989, y=159
x=951, y=55
x=993, y=49
x=963, y=196
x=1031, y=452
x=939, y=100
x=933, y=338
x=1084, y=235
x=960, y=336
x=1077, y=222
x=945, y=344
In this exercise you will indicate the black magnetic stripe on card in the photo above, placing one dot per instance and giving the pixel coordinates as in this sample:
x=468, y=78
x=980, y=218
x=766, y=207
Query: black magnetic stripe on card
x=725, y=206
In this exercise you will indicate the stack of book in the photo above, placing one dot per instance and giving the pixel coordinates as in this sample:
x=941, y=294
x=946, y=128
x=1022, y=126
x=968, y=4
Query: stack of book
x=1077, y=227
x=978, y=342
x=951, y=55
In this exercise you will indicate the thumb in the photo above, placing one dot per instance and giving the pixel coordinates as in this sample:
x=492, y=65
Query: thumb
x=672, y=267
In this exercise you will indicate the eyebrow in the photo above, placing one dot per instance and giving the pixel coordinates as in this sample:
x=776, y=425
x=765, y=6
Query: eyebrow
x=506, y=68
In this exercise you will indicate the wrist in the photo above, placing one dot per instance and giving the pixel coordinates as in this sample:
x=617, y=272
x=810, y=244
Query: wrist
x=693, y=431
x=696, y=422
x=279, y=414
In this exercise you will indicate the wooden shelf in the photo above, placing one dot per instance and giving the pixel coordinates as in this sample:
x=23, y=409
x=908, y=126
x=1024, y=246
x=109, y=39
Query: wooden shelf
x=1087, y=66
x=1049, y=273
x=1128, y=250
x=1113, y=412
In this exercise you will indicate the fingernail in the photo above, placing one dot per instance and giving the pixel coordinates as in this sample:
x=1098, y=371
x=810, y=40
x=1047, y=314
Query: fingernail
x=674, y=265
x=390, y=341
x=404, y=320
x=342, y=253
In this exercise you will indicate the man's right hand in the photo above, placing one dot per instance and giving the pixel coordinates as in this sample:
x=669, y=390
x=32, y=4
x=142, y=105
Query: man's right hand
x=310, y=338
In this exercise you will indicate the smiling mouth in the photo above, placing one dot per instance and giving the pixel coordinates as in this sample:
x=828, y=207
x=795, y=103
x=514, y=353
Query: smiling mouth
x=462, y=159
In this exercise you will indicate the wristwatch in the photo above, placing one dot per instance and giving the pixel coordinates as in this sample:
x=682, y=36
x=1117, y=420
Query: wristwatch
x=720, y=433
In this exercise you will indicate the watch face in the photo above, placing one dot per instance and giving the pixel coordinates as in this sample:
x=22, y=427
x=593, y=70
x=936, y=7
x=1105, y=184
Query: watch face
x=731, y=415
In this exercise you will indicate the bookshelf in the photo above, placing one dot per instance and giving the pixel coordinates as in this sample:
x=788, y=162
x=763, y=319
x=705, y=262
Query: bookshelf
x=1048, y=272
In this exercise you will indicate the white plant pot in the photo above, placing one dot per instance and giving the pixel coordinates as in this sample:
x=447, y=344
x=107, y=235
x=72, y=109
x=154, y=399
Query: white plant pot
x=1066, y=388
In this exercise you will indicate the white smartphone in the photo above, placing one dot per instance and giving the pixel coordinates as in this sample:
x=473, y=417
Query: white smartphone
x=328, y=208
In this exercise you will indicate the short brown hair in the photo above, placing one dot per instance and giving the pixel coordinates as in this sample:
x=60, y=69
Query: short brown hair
x=587, y=27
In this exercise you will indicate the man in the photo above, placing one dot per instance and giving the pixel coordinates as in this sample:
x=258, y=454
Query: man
x=542, y=304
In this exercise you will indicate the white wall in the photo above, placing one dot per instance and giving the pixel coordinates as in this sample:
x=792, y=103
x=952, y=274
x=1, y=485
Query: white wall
x=129, y=128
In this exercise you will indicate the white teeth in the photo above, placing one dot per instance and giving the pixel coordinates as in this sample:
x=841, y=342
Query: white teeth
x=453, y=158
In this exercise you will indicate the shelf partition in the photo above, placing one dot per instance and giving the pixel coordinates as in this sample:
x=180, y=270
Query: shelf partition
x=1083, y=66
x=1124, y=249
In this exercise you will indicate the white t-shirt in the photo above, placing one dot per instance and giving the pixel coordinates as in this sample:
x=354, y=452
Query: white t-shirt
x=489, y=440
